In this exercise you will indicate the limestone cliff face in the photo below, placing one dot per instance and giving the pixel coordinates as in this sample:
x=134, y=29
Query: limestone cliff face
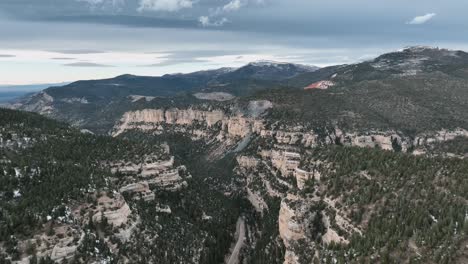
x=289, y=231
x=115, y=209
x=189, y=116
x=295, y=229
x=423, y=140
x=247, y=162
x=386, y=140
x=240, y=126
x=151, y=119
x=289, y=227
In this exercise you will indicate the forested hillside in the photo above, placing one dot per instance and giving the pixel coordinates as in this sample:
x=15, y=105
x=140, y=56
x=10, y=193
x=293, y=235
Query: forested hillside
x=268, y=163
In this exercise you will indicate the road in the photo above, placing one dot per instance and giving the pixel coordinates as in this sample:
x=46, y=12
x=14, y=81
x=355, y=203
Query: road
x=240, y=231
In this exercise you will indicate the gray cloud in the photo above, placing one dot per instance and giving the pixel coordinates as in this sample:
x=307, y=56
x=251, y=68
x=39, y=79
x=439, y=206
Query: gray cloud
x=127, y=20
x=86, y=64
x=80, y=51
x=7, y=56
x=191, y=56
x=63, y=58
x=316, y=32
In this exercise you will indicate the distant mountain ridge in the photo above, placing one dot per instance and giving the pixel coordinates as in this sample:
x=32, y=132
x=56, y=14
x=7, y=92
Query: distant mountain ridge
x=395, y=90
x=173, y=84
x=11, y=92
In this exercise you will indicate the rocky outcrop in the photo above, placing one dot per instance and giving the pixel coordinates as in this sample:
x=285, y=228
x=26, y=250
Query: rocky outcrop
x=40, y=103
x=139, y=190
x=169, y=180
x=149, y=119
x=302, y=176
x=387, y=140
x=285, y=161
x=189, y=116
x=146, y=168
x=65, y=249
x=439, y=136
x=247, y=162
x=114, y=209
x=233, y=126
x=289, y=227
x=239, y=126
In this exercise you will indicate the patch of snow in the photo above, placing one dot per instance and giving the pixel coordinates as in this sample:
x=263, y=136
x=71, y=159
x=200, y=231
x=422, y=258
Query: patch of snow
x=276, y=64
x=18, y=173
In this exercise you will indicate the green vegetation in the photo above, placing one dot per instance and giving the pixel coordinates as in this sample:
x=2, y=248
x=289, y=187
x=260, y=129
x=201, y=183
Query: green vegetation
x=60, y=165
x=403, y=202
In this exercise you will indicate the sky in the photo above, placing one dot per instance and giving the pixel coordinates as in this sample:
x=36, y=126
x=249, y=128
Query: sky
x=54, y=41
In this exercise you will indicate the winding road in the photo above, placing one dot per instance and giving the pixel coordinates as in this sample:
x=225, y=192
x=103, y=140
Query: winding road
x=240, y=231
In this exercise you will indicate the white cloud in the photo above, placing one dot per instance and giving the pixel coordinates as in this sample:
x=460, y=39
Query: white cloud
x=419, y=20
x=207, y=22
x=104, y=3
x=164, y=5
x=234, y=5
x=110, y=57
x=242, y=59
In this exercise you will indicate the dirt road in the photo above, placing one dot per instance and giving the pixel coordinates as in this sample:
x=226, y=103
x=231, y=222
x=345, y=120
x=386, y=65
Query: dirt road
x=240, y=232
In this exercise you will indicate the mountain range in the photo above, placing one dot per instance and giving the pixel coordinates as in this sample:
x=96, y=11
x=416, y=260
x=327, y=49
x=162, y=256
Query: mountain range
x=267, y=163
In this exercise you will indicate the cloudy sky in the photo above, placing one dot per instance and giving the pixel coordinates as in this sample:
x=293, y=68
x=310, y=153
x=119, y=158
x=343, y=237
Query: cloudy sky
x=48, y=41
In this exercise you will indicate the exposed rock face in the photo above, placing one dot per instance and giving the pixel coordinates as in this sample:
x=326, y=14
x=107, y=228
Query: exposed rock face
x=65, y=249
x=189, y=116
x=153, y=168
x=239, y=126
x=40, y=103
x=150, y=173
x=256, y=200
x=170, y=179
x=302, y=176
x=143, y=168
x=139, y=189
x=151, y=119
x=115, y=209
x=286, y=162
x=289, y=227
x=247, y=162
x=148, y=119
x=439, y=136
x=292, y=228
x=135, y=187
